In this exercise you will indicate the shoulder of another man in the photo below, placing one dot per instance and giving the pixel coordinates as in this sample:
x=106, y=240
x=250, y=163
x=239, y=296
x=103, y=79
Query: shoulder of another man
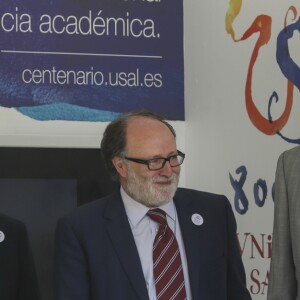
x=289, y=160
x=10, y=222
x=291, y=153
x=12, y=230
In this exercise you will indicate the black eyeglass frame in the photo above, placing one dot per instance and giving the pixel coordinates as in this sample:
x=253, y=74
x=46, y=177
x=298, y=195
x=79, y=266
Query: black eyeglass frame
x=148, y=161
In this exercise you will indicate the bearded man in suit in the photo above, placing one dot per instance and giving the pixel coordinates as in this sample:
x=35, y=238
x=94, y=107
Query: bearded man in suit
x=105, y=250
x=285, y=262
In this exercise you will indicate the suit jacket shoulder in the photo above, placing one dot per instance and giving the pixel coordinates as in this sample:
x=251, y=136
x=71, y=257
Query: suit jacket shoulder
x=200, y=198
x=10, y=223
x=97, y=210
x=18, y=279
x=293, y=153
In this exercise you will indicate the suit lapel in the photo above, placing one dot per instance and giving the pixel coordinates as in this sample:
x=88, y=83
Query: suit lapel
x=121, y=236
x=192, y=240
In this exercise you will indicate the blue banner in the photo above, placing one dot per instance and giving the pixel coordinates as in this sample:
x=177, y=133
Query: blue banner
x=91, y=60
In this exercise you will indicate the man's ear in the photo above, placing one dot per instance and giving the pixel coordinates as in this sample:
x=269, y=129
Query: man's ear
x=119, y=165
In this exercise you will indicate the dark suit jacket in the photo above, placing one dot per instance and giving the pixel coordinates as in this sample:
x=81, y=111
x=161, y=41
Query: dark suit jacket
x=18, y=279
x=96, y=256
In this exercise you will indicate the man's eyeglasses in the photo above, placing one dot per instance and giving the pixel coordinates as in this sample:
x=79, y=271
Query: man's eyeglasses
x=158, y=163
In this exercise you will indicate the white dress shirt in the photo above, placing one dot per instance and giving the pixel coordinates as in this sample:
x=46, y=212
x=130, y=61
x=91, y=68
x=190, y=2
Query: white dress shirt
x=144, y=230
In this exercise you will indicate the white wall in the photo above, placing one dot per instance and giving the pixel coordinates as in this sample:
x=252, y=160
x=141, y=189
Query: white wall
x=219, y=135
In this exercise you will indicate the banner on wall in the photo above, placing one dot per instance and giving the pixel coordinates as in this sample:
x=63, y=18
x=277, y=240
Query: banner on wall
x=264, y=120
x=271, y=95
x=91, y=60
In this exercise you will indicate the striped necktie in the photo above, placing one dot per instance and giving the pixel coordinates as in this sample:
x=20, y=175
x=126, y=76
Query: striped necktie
x=167, y=266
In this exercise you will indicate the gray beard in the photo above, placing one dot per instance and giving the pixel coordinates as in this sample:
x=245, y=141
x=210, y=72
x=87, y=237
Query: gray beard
x=146, y=192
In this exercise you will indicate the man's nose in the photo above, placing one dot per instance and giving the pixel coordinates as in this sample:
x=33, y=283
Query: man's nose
x=167, y=169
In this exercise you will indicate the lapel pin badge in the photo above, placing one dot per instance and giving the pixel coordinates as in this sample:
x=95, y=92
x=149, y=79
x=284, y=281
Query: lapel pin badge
x=2, y=236
x=197, y=219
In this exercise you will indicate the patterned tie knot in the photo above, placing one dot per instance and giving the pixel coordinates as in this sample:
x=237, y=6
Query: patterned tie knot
x=158, y=215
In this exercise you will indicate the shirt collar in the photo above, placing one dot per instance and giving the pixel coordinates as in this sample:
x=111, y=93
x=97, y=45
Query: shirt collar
x=136, y=211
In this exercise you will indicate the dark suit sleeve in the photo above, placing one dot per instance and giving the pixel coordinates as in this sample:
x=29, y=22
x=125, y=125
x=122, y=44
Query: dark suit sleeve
x=71, y=274
x=18, y=280
x=236, y=274
x=28, y=284
x=283, y=277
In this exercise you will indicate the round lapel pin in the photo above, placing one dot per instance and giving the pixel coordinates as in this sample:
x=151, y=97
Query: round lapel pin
x=2, y=236
x=197, y=219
